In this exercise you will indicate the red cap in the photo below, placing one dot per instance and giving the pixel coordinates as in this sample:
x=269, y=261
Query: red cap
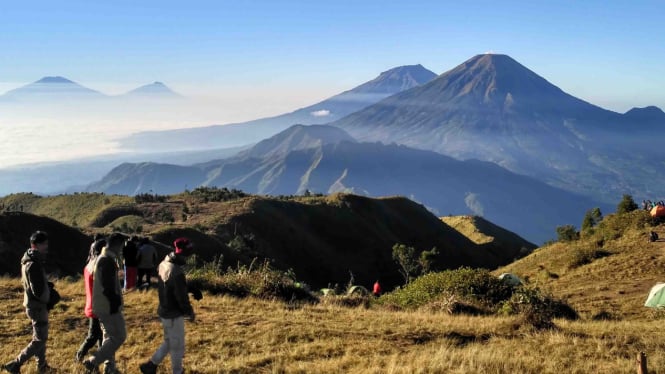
x=183, y=246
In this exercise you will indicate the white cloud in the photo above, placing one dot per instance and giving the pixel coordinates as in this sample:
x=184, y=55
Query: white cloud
x=320, y=113
x=472, y=201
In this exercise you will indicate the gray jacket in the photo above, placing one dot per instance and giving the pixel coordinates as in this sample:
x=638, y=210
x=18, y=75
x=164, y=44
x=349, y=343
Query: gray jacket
x=35, y=284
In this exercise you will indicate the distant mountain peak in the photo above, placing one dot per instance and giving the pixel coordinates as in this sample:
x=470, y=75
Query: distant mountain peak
x=154, y=89
x=56, y=79
x=53, y=88
x=396, y=80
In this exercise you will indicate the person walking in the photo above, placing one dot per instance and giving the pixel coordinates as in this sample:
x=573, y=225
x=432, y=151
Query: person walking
x=146, y=258
x=94, y=329
x=174, y=308
x=107, y=306
x=376, y=291
x=38, y=298
x=129, y=255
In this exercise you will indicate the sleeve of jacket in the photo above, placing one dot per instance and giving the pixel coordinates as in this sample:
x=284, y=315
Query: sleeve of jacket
x=106, y=269
x=181, y=295
x=38, y=285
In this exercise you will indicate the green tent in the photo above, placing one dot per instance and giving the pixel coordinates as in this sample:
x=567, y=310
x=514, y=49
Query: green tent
x=656, y=297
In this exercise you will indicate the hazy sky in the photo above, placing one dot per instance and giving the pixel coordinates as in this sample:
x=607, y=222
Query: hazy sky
x=282, y=54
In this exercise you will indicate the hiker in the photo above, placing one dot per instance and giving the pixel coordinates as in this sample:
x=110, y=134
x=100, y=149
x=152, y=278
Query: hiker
x=174, y=308
x=97, y=238
x=39, y=297
x=94, y=329
x=107, y=306
x=146, y=258
x=129, y=254
x=376, y=291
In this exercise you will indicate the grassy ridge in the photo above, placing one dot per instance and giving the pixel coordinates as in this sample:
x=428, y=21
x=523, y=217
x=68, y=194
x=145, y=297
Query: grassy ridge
x=253, y=336
x=75, y=210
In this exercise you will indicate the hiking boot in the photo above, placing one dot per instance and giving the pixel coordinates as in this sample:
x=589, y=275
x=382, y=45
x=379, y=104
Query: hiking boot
x=12, y=367
x=110, y=369
x=90, y=367
x=45, y=369
x=148, y=367
x=79, y=356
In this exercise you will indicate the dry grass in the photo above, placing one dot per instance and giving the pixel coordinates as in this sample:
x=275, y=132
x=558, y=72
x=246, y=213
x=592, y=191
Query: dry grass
x=255, y=336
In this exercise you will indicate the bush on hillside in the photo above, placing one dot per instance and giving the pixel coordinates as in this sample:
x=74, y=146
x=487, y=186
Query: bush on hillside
x=627, y=204
x=476, y=285
x=536, y=308
x=583, y=256
x=567, y=233
x=263, y=282
x=615, y=225
x=209, y=194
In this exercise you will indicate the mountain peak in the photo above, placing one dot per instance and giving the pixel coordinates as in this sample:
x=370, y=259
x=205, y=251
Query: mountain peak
x=396, y=80
x=154, y=89
x=56, y=79
x=649, y=114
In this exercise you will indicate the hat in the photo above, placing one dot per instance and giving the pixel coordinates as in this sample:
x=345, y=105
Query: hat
x=183, y=246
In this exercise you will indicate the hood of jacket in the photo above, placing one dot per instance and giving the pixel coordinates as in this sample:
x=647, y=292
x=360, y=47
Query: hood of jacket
x=32, y=255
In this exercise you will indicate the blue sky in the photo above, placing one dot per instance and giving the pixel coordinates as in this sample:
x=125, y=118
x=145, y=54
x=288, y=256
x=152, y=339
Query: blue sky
x=610, y=53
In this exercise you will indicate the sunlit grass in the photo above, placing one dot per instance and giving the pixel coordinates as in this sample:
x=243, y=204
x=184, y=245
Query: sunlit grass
x=250, y=335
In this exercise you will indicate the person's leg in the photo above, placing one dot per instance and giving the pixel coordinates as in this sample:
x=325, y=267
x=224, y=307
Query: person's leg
x=130, y=277
x=36, y=347
x=115, y=333
x=94, y=337
x=163, y=349
x=177, y=344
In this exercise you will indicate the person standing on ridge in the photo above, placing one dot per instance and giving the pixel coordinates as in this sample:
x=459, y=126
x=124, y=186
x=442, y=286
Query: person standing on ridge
x=129, y=255
x=174, y=308
x=146, y=258
x=94, y=329
x=376, y=291
x=107, y=306
x=38, y=298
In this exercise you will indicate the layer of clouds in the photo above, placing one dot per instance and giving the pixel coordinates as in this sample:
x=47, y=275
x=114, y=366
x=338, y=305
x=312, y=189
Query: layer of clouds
x=320, y=113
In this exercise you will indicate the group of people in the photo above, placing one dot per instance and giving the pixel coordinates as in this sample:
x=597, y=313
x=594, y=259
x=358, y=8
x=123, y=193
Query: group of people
x=104, y=305
x=648, y=204
x=139, y=260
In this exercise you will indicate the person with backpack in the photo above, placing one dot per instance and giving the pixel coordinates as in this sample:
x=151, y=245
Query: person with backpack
x=39, y=297
x=146, y=258
x=107, y=306
x=174, y=308
x=129, y=255
x=94, y=329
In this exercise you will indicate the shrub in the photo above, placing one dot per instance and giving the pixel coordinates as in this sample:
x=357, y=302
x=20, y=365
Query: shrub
x=583, y=256
x=627, y=204
x=536, y=308
x=263, y=282
x=566, y=233
x=465, y=283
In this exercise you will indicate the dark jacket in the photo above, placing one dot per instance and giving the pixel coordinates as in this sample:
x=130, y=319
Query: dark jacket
x=173, y=297
x=129, y=253
x=35, y=284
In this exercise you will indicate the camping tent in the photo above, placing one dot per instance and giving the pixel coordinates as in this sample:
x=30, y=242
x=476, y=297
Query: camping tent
x=357, y=290
x=510, y=279
x=656, y=297
x=658, y=211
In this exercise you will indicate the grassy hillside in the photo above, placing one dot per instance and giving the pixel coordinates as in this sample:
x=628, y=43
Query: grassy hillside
x=607, y=272
x=75, y=210
x=68, y=247
x=325, y=240
x=254, y=336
